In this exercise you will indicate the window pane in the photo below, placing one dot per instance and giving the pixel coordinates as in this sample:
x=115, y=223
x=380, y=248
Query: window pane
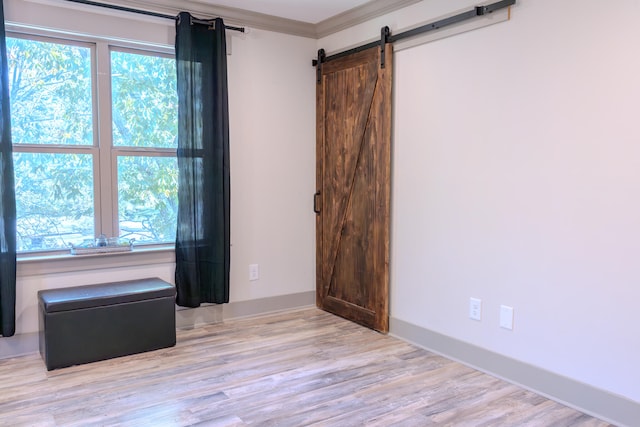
x=145, y=101
x=50, y=86
x=54, y=200
x=148, y=198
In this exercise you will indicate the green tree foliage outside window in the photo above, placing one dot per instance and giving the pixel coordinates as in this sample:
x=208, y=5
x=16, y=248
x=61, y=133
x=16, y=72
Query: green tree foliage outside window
x=50, y=91
x=145, y=101
x=145, y=110
x=56, y=151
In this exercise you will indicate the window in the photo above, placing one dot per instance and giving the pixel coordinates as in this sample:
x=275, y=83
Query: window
x=94, y=131
x=145, y=131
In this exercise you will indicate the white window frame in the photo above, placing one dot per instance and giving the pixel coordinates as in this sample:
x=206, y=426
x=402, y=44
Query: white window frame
x=105, y=157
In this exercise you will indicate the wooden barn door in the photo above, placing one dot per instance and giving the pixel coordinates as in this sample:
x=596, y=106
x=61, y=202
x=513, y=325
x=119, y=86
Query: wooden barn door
x=353, y=184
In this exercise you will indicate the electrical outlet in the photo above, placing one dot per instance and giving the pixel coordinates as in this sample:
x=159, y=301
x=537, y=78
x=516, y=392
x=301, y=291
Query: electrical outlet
x=506, y=317
x=254, y=272
x=475, y=308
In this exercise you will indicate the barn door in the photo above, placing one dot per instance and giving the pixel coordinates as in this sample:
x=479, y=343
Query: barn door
x=353, y=184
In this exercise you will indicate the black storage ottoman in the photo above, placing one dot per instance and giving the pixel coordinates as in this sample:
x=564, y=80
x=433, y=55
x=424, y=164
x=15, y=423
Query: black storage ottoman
x=89, y=323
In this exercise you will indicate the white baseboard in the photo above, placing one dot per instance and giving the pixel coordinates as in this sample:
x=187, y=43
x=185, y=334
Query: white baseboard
x=19, y=345
x=216, y=313
x=599, y=403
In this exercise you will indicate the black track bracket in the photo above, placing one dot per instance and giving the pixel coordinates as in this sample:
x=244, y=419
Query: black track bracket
x=318, y=64
x=384, y=39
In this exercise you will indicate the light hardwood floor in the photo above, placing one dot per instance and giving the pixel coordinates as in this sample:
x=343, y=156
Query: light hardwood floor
x=297, y=368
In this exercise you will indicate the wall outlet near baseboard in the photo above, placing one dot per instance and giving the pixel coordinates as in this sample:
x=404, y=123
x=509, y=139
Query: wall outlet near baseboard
x=475, y=308
x=254, y=272
x=506, y=317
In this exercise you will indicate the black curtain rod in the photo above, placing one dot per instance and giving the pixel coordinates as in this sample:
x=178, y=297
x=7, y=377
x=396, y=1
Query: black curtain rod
x=386, y=37
x=149, y=13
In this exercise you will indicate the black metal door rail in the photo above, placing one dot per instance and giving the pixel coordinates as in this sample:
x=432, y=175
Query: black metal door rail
x=387, y=37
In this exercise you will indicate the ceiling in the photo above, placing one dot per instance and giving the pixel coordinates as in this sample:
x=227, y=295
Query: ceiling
x=310, y=11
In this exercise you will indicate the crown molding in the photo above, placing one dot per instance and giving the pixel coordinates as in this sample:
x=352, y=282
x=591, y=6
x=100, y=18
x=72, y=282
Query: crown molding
x=359, y=14
x=241, y=17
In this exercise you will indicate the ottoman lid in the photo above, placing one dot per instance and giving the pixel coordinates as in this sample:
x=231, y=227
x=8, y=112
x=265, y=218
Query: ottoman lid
x=78, y=297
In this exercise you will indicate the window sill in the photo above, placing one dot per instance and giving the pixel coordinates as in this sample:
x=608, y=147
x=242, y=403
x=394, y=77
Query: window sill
x=35, y=265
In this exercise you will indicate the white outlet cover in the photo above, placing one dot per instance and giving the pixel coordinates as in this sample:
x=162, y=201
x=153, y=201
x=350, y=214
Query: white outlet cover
x=254, y=272
x=475, y=308
x=506, y=317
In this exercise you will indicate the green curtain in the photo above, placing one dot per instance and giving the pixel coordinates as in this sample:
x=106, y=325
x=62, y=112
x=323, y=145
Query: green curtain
x=7, y=200
x=202, y=239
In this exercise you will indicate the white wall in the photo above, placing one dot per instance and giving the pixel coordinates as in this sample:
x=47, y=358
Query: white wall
x=516, y=179
x=272, y=130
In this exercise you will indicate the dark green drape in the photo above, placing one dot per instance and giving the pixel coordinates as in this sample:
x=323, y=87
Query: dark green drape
x=7, y=200
x=202, y=240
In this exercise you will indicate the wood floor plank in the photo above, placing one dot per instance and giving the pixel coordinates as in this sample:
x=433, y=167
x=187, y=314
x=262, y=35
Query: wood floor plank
x=297, y=368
